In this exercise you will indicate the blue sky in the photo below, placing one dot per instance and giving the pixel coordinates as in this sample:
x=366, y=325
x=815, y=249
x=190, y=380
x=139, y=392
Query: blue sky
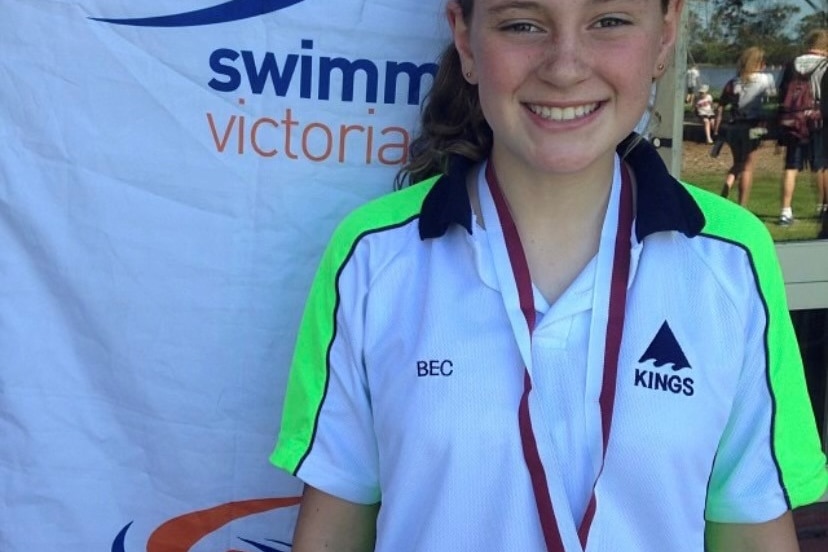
x=805, y=8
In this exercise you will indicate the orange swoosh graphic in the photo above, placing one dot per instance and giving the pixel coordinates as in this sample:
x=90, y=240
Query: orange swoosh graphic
x=182, y=533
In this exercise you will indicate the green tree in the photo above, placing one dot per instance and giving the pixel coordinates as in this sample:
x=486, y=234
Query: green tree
x=705, y=44
x=810, y=22
x=718, y=30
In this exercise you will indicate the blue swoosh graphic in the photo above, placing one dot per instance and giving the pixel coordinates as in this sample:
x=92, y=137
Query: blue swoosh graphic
x=220, y=13
x=265, y=548
x=118, y=543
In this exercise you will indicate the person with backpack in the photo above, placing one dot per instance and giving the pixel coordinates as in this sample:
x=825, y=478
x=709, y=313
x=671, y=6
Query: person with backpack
x=742, y=97
x=800, y=119
x=822, y=185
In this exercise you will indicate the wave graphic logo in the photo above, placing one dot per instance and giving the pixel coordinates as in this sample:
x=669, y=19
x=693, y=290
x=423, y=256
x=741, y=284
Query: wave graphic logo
x=233, y=10
x=182, y=533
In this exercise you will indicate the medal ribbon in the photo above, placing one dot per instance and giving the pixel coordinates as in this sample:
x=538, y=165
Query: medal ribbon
x=615, y=327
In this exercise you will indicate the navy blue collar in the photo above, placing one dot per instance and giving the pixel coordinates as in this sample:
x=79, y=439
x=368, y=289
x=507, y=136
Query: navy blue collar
x=662, y=203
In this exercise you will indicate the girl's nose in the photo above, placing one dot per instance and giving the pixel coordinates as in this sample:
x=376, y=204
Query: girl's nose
x=563, y=61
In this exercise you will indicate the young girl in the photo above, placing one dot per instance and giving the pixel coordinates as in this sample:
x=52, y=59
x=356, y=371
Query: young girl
x=706, y=112
x=743, y=96
x=526, y=351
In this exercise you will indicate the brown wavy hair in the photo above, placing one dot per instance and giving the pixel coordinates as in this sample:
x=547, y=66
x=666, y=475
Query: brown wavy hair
x=751, y=61
x=452, y=121
x=817, y=40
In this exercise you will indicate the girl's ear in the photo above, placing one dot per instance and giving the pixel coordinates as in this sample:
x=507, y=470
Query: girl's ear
x=462, y=40
x=669, y=34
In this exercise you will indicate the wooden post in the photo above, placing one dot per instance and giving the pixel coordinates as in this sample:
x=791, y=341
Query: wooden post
x=668, y=133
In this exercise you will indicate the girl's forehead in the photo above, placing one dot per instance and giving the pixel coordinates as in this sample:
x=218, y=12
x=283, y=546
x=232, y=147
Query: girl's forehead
x=496, y=6
x=540, y=4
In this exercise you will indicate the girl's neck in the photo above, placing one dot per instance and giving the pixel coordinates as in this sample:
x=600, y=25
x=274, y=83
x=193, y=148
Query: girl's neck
x=539, y=200
x=559, y=219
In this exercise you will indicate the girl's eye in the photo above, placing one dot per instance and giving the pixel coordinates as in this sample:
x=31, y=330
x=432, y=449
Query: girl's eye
x=608, y=22
x=521, y=27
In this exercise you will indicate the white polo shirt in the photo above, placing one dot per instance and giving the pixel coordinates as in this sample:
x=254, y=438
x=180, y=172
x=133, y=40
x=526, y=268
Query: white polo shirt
x=407, y=377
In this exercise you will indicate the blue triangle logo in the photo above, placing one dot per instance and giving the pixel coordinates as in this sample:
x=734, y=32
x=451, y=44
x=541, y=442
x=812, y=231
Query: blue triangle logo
x=665, y=349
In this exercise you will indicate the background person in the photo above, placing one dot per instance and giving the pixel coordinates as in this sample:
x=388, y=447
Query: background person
x=486, y=356
x=809, y=151
x=822, y=183
x=705, y=110
x=746, y=125
x=692, y=78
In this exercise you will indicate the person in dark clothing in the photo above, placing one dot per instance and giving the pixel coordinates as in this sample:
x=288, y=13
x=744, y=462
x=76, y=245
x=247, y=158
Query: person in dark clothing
x=811, y=152
x=742, y=98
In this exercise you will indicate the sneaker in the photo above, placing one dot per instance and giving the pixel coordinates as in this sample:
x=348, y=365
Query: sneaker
x=785, y=220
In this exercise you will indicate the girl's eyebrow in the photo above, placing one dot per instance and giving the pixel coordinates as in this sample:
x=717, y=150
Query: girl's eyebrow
x=537, y=6
x=514, y=5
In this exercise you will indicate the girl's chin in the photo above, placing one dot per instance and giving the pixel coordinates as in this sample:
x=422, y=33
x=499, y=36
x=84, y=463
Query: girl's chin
x=568, y=160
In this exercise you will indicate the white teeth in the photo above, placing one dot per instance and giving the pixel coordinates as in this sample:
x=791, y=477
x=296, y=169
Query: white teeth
x=563, y=113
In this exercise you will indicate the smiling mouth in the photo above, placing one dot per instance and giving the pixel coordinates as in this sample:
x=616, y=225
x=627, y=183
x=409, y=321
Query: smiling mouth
x=563, y=113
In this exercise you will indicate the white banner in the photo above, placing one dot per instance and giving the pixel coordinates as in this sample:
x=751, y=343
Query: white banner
x=170, y=171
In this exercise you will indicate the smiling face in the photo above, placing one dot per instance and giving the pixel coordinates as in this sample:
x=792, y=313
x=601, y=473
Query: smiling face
x=562, y=82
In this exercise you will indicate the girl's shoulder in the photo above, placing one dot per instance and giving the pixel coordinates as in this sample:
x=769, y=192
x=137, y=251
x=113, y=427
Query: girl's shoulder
x=732, y=87
x=767, y=79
